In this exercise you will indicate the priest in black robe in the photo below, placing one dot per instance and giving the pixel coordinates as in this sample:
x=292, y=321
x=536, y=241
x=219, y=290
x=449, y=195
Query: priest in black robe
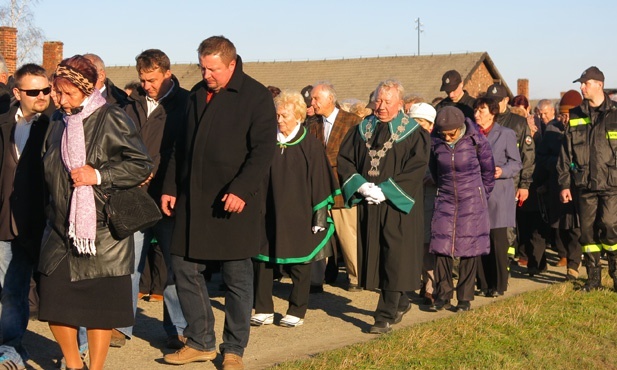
x=381, y=165
x=300, y=193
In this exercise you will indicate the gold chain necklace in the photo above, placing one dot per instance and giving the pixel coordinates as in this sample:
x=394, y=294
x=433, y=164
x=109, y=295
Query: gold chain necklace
x=377, y=155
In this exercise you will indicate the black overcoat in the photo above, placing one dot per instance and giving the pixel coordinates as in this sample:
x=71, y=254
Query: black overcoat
x=226, y=148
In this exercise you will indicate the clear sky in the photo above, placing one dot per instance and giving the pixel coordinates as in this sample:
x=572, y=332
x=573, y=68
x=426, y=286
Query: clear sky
x=548, y=42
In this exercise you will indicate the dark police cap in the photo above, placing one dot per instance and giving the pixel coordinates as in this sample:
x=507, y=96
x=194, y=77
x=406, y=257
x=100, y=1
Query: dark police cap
x=591, y=73
x=496, y=91
x=450, y=81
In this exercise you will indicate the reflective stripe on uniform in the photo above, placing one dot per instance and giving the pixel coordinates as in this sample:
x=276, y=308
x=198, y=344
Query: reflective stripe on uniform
x=511, y=251
x=591, y=248
x=580, y=121
x=611, y=135
x=609, y=248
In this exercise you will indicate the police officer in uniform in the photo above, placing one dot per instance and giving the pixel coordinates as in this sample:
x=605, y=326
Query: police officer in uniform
x=589, y=155
x=526, y=148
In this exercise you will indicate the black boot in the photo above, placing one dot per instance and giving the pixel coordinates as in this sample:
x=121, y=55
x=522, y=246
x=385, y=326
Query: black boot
x=594, y=279
x=612, y=268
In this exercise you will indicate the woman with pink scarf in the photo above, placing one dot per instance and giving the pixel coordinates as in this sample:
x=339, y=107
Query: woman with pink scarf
x=85, y=272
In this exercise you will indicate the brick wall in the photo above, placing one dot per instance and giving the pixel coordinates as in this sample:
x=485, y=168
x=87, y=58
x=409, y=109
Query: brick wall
x=52, y=55
x=480, y=80
x=522, y=87
x=8, y=47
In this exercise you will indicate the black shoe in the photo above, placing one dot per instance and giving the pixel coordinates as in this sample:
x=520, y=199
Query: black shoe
x=463, y=306
x=380, y=327
x=316, y=289
x=440, y=305
x=401, y=313
x=354, y=288
x=491, y=293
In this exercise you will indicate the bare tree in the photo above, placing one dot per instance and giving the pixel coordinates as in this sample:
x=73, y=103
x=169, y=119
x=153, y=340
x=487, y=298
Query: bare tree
x=18, y=14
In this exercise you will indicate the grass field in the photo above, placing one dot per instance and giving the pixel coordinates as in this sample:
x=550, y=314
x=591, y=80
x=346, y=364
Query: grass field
x=558, y=327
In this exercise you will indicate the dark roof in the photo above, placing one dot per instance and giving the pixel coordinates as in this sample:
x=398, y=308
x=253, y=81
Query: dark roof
x=352, y=78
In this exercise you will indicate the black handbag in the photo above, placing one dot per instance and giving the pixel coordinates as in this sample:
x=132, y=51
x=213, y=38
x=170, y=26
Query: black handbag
x=127, y=210
x=130, y=210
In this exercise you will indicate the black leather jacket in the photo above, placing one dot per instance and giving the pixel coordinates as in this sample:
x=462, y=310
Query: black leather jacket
x=120, y=156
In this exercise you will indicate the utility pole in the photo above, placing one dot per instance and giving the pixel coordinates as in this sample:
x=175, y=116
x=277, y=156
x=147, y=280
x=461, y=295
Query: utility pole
x=420, y=30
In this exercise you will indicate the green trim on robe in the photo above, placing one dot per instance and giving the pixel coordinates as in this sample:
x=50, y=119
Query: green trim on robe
x=397, y=196
x=328, y=234
x=285, y=145
x=393, y=125
x=329, y=201
x=350, y=187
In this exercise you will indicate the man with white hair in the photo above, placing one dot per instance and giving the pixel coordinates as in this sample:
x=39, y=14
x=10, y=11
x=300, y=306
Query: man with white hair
x=381, y=165
x=330, y=130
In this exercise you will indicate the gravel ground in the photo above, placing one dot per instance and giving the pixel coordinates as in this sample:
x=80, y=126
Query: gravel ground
x=335, y=318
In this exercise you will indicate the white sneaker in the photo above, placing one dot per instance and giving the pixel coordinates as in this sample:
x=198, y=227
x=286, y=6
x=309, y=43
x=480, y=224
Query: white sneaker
x=260, y=319
x=291, y=321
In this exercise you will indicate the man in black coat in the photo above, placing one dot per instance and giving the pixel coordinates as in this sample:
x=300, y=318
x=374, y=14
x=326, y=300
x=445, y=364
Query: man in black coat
x=527, y=149
x=158, y=110
x=218, y=196
x=22, y=202
x=5, y=93
x=452, y=85
x=112, y=94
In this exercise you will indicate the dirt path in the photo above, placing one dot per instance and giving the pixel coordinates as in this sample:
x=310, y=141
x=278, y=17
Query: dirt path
x=335, y=318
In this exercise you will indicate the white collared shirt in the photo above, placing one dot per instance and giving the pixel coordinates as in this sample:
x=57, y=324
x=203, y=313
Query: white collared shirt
x=152, y=104
x=22, y=130
x=103, y=91
x=328, y=122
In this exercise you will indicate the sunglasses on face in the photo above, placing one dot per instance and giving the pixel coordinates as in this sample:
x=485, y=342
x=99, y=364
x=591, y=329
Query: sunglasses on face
x=36, y=92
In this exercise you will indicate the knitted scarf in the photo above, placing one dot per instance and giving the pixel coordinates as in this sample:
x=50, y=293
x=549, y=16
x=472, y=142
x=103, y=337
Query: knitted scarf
x=82, y=211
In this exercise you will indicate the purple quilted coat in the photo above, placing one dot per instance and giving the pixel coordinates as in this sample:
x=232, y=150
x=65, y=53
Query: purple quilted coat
x=465, y=176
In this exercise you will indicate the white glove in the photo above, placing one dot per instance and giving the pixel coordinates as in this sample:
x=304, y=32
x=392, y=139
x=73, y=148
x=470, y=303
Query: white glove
x=371, y=200
x=364, y=189
x=377, y=194
x=317, y=229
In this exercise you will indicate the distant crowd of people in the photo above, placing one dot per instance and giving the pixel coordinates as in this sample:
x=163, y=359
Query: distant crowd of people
x=262, y=182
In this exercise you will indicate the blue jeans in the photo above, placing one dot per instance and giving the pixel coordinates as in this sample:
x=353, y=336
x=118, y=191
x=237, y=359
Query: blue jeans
x=16, y=268
x=195, y=302
x=173, y=319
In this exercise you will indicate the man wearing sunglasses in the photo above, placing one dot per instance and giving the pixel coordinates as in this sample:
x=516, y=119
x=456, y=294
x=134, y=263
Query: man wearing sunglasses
x=22, y=200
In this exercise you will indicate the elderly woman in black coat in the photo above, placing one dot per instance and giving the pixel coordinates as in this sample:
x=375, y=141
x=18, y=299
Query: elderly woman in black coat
x=300, y=193
x=85, y=271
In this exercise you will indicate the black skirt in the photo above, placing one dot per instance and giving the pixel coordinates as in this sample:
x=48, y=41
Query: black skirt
x=102, y=303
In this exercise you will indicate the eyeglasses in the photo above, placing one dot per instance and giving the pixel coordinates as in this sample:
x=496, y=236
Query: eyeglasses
x=36, y=92
x=450, y=134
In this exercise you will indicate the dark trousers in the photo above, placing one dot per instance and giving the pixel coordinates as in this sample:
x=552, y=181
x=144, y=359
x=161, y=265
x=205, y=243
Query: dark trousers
x=493, y=270
x=390, y=302
x=532, y=237
x=598, y=215
x=154, y=277
x=298, y=298
x=566, y=240
x=195, y=303
x=444, y=286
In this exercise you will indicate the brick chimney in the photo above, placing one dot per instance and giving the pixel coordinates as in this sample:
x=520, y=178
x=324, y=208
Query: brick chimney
x=522, y=87
x=52, y=55
x=8, y=47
